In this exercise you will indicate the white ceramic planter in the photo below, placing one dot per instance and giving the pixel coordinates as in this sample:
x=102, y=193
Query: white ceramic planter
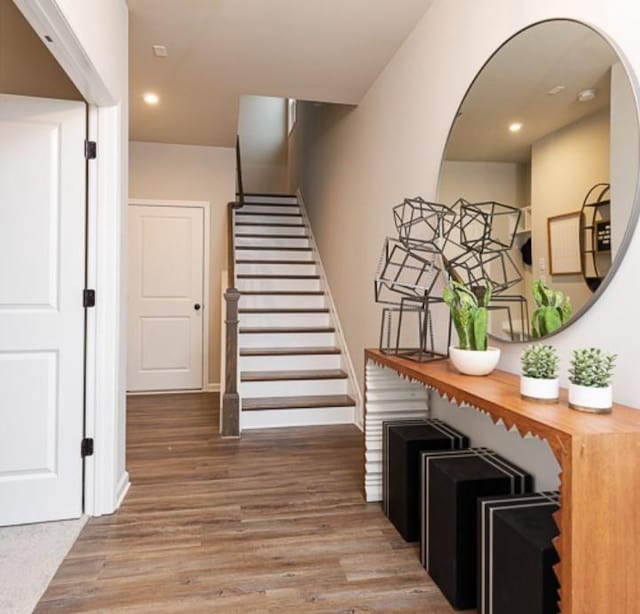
x=472, y=362
x=536, y=389
x=593, y=400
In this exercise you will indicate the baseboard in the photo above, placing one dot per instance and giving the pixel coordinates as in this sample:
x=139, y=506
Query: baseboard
x=213, y=387
x=123, y=489
x=342, y=342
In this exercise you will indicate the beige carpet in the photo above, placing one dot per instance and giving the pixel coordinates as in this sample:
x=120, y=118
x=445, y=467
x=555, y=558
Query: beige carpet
x=29, y=557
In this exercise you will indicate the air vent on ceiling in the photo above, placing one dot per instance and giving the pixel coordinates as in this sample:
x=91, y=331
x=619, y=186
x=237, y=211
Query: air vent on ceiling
x=160, y=51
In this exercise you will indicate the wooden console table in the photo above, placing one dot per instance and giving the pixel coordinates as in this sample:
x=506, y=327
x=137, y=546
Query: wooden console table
x=599, y=456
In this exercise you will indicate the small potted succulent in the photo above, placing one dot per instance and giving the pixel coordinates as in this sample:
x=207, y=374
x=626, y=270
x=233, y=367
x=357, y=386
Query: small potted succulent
x=539, y=380
x=470, y=317
x=553, y=309
x=590, y=376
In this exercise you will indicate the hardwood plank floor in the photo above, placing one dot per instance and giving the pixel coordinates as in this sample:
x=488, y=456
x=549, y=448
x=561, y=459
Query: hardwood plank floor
x=273, y=522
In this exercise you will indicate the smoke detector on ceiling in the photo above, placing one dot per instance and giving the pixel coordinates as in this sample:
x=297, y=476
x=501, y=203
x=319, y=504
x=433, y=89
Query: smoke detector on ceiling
x=160, y=51
x=587, y=95
x=556, y=90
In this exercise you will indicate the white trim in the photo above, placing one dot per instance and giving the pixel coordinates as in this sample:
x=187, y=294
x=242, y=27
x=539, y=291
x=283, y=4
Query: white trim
x=342, y=343
x=106, y=480
x=213, y=387
x=205, y=205
x=46, y=18
x=123, y=488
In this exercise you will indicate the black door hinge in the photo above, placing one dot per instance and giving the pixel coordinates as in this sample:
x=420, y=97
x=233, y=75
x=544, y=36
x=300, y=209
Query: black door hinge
x=88, y=298
x=86, y=447
x=90, y=150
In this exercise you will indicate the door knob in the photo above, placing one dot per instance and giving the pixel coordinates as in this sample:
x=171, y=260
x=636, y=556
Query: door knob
x=197, y=306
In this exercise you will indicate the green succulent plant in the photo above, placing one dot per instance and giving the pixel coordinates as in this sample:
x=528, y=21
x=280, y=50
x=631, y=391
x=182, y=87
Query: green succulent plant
x=591, y=367
x=540, y=361
x=469, y=314
x=553, y=309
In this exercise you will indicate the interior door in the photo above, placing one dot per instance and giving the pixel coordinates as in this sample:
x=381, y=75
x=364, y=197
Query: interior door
x=42, y=254
x=166, y=267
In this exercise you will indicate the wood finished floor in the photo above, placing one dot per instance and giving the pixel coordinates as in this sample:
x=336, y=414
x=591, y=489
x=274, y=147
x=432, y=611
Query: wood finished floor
x=274, y=522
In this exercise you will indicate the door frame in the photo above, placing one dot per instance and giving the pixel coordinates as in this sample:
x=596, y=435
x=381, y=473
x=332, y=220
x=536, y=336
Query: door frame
x=106, y=480
x=206, y=291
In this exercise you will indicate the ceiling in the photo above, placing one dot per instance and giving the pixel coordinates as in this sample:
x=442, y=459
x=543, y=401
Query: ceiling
x=320, y=50
x=513, y=87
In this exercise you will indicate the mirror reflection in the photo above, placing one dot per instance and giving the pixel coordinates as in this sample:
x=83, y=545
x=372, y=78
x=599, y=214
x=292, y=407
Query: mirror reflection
x=546, y=143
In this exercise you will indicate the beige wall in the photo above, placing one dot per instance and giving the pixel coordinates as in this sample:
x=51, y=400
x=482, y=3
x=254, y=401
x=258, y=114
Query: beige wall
x=391, y=145
x=27, y=68
x=188, y=172
x=564, y=166
x=262, y=127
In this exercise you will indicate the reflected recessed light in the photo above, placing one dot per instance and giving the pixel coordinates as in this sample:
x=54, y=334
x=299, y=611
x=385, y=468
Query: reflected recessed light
x=556, y=90
x=587, y=95
x=515, y=127
x=151, y=98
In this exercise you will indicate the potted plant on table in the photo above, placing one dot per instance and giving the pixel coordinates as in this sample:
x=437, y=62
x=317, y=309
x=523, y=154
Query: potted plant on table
x=552, y=312
x=590, y=375
x=539, y=380
x=470, y=317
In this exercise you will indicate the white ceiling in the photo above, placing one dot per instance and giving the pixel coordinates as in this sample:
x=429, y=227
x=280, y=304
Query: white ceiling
x=321, y=50
x=513, y=87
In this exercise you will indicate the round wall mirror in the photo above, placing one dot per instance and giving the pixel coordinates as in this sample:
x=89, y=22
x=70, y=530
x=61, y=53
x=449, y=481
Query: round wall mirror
x=542, y=162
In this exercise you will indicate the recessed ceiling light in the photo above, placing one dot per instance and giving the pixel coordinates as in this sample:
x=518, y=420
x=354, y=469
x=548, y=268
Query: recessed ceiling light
x=160, y=51
x=556, y=90
x=587, y=95
x=151, y=98
x=515, y=127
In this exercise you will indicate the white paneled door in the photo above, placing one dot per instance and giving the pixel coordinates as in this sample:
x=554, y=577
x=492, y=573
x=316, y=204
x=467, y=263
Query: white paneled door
x=42, y=255
x=166, y=292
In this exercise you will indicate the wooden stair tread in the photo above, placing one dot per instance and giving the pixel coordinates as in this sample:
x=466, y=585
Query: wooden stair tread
x=286, y=310
x=270, y=224
x=267, y=213
x=258, y=330
x=302, y=402
x=271, y=194
x=265, y=236
x=269, y=248
x=282, y=351
x=283, y=292
x=280, y=376
x=272, y=276
x=247, y=261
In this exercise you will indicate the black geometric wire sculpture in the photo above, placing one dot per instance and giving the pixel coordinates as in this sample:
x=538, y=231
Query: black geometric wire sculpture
x=420, y=222
x=468, y=242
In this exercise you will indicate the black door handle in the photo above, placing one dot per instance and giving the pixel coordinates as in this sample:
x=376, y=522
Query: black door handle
x=197, y=306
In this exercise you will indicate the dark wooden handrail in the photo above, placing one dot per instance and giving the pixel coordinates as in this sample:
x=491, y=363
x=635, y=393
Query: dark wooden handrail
x=230, y=416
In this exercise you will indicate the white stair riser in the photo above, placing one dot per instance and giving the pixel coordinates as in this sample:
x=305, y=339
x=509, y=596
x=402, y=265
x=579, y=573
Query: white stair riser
x=297, y=340
x=270, y=242
x=258, y=209
x=288, y=200
x=300, y=285
x=271, y=230
x=292, y=388
x=276, y=269
x=269, y=219
x=290, y=363
x=295, y=417
x=272, y=254
x=287, y=319
x=285, y=301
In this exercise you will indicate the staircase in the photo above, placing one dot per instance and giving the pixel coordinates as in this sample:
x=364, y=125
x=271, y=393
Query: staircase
x=292, y=370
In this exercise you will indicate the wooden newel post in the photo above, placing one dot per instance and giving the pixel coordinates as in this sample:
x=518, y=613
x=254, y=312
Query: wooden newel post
x=230, y=424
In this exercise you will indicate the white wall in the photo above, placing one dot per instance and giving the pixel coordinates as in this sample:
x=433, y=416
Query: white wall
x=189, y=172
x=564, y=166
x=262, y=127
x=390, y=146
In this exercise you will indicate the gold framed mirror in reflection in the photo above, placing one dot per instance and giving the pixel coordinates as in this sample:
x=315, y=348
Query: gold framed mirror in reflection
x=549, y=126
